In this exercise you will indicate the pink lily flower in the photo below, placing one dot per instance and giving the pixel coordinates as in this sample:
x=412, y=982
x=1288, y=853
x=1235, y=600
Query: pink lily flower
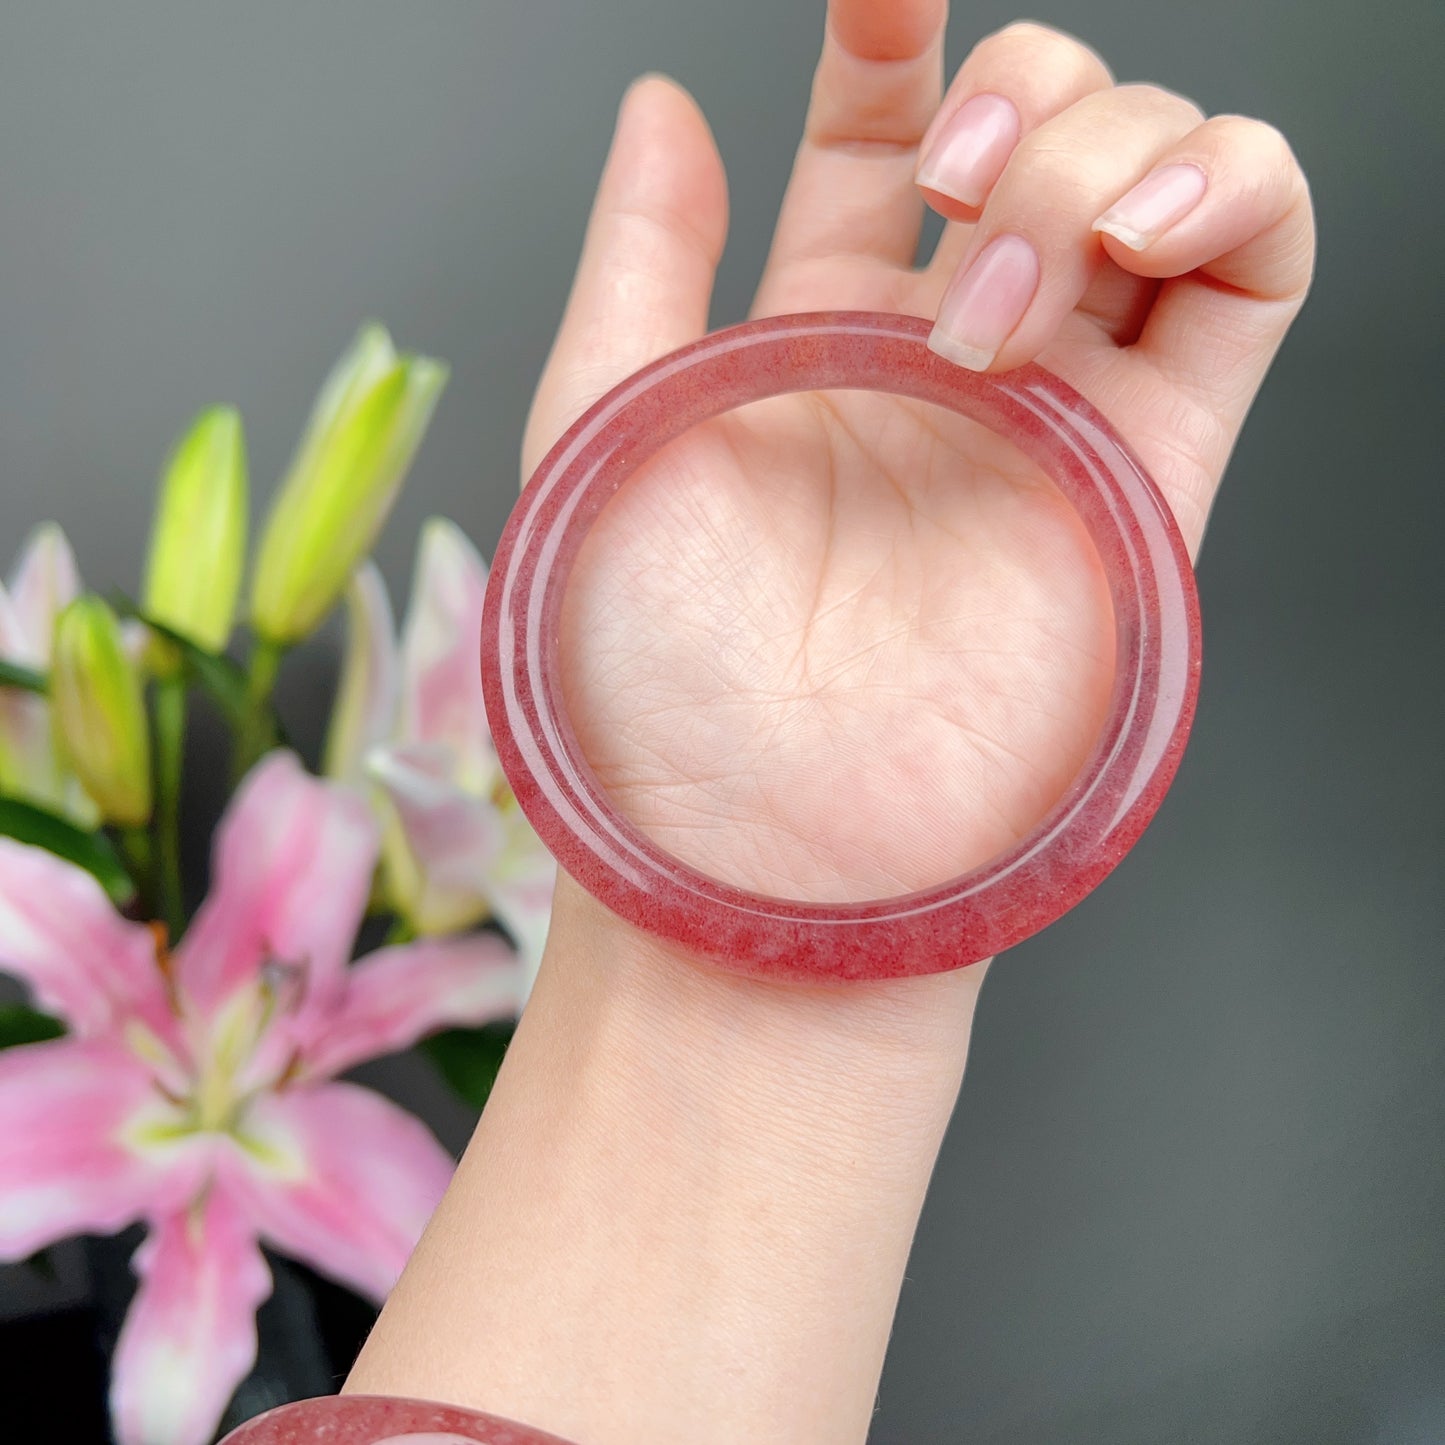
x=45, y=581
x=410, y=722
x=196, y=1089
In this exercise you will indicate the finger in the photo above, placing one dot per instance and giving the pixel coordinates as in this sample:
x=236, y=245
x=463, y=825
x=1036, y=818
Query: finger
x=875, y=90
x=1034, y=252
x=645, y=277
x=1224, y=218
x=1011, y=84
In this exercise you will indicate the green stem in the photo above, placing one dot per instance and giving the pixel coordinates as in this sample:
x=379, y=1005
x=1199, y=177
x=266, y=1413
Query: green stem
x=255, y=733
x=139, y=855
x=170, y=752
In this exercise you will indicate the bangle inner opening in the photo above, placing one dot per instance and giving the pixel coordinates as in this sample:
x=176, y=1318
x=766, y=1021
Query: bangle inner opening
x=837, y=646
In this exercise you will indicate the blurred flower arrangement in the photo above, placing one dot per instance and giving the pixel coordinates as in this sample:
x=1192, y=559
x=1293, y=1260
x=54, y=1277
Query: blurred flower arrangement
x=182, y=1073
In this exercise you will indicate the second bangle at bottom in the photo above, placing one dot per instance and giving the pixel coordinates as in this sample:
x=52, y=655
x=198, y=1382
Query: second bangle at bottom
x=383, y=1420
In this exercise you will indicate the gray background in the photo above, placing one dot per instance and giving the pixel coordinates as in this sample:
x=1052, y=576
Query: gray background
x=1193, y=1191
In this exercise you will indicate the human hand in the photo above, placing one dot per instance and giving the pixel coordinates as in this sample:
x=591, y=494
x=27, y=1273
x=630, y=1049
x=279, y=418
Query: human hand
x=843, y=645
x=831, y=647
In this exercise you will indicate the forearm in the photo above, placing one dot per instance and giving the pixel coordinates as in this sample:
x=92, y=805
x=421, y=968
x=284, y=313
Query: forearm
x=687, y=1209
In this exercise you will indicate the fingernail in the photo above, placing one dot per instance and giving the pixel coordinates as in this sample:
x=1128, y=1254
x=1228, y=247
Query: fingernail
x=985, y=302
x=1139, y=217
x=968, y=155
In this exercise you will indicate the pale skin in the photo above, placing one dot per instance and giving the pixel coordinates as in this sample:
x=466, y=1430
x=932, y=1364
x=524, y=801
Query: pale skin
x=831, y=647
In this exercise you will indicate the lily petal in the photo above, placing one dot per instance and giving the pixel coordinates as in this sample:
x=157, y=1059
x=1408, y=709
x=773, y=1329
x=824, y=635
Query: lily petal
x=292, y=873
x=441, y=688
x=66, y=1165
x=30, y=768
x=190, y=1336
x=520, y=887
x=443, y=842
x=366, y=696
x=15, y=644
x=45, y=582
x=81, y=959
x=398, y=995
x=27, y=755
x=341, y=1178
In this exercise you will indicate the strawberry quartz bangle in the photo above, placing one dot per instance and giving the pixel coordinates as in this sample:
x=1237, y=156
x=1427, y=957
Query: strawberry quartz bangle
x=380, y=1420
x=968, y=918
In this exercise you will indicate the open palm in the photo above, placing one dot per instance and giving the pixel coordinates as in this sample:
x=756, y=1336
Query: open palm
x=843, y=645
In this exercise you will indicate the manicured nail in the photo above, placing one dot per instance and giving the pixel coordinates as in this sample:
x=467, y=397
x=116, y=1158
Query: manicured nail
x=968, y=155
x=1139, y=217
x=985, y=302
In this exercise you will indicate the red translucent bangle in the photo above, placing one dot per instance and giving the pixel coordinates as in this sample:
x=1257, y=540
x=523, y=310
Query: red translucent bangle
x=381, y=1420
x=1099, y=818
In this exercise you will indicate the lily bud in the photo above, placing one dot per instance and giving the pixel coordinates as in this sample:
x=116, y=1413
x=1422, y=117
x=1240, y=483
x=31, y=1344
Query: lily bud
x=99, y=712
x=362, y=435
x=198, y=540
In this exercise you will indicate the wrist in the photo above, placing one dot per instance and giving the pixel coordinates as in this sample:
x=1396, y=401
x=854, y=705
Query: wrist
x=688, y=1206
x=843, y=1055
x=905, y=1028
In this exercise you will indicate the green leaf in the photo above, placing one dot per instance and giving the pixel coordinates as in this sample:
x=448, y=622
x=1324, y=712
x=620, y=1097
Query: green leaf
x=217, y=676
x=13, y=675
x=21, y=1025
x=92, y=851
x=222, y=680
x=213, y=673
x=468, y=1059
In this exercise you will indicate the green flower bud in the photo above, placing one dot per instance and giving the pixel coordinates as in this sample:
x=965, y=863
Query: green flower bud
x=364, y=430
x=99, y=713
x=198, y=540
